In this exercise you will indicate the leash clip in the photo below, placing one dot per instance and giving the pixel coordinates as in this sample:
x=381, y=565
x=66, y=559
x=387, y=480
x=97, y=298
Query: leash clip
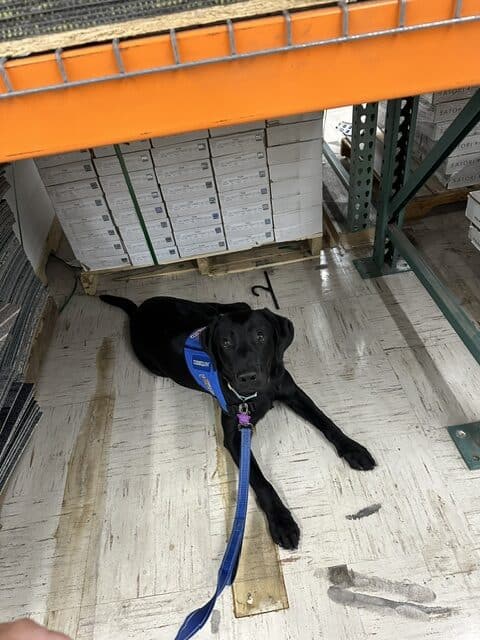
x=243, y=417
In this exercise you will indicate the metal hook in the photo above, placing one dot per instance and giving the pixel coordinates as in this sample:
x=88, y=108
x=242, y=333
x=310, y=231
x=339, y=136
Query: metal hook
x=268, y=288
x=345, y=17
x=458, y=8
x=231, y=38
x=288, y=26
x=118, y=55
x=60, y=65
x=173, y=42
x=5, y=77
x=402, y=12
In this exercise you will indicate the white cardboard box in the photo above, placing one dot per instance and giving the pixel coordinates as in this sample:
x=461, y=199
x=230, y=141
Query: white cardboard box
x=120, y=201
x=473, y=208
x=299, y=132
x=188, y=190
x=143, y=259
x=200, y=235
x=179, y=153
x=71, y=172
x=82, y=208
x=105, y=251
x=103, y=221
x=74, y=191
x=474, y=236
x=196, y=220
x=467, y=177
x=236, y=162
x=125, y=147
x=237, y=244
x=167, y=141
x=84, y=237
x=242, y=230
x=156, y=229
x=142, y=181
x=62, y=158
x=124, y=218
x=296, y=233
x=242, y=180
x=297, y=170
x=241, y=197
x=136, y=161
x=248, y=212
x=470, y=144
x=194, y=170
x=458, y=164
x=298, y=218
x=237, y=128
x=250, y=142
x=111, y=262
x=299, y=117
x=442, y=112
x=295, y=152
x=135, y=247
x=162, y=255
x=180, y=208
x=449, y=95
x=297, y=187
x=152, y=212
x=435, y=131
x=295, y=203
x=202, y=248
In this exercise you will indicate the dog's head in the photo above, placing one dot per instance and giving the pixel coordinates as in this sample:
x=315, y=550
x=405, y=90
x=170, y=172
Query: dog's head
x=248, y=347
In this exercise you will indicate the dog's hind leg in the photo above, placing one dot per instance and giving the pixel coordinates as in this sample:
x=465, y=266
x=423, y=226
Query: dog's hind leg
x=283, y=528
x=355, y=454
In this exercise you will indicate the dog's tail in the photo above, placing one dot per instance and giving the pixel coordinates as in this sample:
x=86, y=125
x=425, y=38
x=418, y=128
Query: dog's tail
x=127, y=305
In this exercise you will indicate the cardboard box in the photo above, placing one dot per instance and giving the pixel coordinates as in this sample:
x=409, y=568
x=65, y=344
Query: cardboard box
x=92, y=263
x=237, y=244
x=248, y=212
x=242, y=180
x=103, y=221
x=63, y=158
x=241, y=197
x=299, y=117
x=453, y=166
x=449, y=95
x=110, y=165
x=470, y=144
x=294, y=203
x=300, y=132
x=90, y=231
x=237, y=128
x=125, y=147
x=143, y=259
x=194, y=170
x=199, y=249
x=142, y=181
x=435, y=131
x=243, y=230
x=159, y=245
x=296, y=233
x=306, y=216
x=250, y=142
x=121, y=201
x=239, y=162
x=200, y=235
x=180, y=208
x=188, y=190
x=297, y=187
x=442, y=112
x=162, y=255
x=297, y=170
x=468, y=177
x=74, y=191
x=179, y=153
x=150, y=212
x=71, y=172
x=83, y=208
x=168, y=141
x=134, y=232
x=196, y=220
x=473, y=208
x=105, y=251
x=295, y=152
x=474, y=236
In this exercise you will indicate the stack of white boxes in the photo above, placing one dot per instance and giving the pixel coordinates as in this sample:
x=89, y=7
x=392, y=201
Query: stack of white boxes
x=435, y=114
x=241, y=173
x=184, y=171
x=139, y=165
x=295, y=163
x=78, y=200
x=473, y=214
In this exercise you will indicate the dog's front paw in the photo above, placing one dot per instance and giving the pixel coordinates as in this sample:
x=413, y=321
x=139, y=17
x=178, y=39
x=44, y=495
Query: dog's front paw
x=357, y=456
x=283, y=528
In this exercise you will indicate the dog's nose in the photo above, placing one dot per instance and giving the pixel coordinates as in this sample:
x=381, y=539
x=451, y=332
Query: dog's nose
x=247, y=377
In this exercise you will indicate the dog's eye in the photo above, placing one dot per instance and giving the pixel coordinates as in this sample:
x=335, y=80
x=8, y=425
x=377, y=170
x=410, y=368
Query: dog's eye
x=260, y=336
x=227, y=343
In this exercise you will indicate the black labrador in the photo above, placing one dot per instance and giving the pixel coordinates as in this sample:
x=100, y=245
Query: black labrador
x=247, y=349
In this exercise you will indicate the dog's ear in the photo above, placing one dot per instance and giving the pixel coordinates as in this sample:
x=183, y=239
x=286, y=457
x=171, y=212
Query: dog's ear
x=208, y=340
x=284, y=333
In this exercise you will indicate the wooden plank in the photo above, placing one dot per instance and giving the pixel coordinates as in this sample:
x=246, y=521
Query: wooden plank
x=203, y=265
x=259, y=586
x=89, y=282
x=150, y=25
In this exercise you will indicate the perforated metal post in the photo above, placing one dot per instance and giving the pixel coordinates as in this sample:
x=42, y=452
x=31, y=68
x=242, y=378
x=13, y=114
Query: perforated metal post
x=364, y=128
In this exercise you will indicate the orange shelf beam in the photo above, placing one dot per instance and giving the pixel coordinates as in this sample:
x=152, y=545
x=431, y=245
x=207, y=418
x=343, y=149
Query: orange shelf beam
x=362, y=69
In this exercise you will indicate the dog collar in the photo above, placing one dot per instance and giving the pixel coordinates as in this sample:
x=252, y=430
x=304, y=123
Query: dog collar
x=202, y=369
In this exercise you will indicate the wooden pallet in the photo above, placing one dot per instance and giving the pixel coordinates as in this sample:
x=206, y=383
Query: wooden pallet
x=433, y=194
x=215, y=265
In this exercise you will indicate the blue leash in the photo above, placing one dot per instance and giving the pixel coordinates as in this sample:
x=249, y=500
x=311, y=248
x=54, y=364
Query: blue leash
x=226, y=574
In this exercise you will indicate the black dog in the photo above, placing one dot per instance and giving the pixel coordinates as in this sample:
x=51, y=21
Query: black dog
x=247, y=348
